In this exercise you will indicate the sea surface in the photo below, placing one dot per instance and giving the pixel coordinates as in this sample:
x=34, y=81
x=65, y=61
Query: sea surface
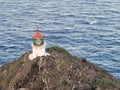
x=85, y=28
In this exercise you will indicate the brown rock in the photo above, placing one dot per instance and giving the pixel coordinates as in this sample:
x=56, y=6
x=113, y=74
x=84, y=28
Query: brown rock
x=59, y=71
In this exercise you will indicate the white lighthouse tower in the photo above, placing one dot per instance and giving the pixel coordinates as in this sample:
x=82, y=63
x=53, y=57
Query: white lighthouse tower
x=38, y=45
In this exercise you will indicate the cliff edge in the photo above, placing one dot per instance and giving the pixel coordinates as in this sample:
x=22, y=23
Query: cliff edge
x=58, y=71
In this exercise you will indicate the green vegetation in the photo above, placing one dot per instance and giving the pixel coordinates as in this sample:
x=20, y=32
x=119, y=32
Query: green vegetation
x=63, y=64
x=10, y=72
x=63, y=84
x=104, y=83
x=59, y=50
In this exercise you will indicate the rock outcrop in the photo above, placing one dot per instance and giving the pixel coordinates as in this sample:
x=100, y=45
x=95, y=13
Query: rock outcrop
x=59, y=71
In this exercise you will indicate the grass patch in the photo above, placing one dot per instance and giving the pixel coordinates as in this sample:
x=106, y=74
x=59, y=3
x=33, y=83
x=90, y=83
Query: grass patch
x=59, y=50
x=63, y=64
x=63, y=84
x=104, y=83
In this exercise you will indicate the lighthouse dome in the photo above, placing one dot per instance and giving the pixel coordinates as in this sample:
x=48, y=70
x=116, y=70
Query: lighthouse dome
x=37, y=35
x=38, y=38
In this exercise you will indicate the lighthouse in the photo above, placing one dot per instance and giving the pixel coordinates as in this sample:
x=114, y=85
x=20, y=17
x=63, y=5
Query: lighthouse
x=38, y=45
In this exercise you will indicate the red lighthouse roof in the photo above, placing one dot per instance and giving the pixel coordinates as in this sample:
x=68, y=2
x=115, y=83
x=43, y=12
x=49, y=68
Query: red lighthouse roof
x=38, y=34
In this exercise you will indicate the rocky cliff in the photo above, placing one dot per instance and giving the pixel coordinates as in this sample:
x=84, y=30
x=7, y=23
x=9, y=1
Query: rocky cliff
x=59, y=71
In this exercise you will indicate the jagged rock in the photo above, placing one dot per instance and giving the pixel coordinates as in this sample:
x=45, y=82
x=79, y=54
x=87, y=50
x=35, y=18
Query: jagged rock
x=59, y=71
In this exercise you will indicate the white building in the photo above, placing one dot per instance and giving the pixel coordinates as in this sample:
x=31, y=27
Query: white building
x=38, y=45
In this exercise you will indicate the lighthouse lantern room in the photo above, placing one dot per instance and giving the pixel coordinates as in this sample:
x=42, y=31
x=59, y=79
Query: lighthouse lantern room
x=38, y=45
x=38, y=38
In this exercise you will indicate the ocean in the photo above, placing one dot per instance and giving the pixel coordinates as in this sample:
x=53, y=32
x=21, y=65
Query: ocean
x=85, y=28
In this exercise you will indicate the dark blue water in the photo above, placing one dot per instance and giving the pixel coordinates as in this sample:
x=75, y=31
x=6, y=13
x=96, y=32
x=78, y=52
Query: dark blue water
x=86, y=28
